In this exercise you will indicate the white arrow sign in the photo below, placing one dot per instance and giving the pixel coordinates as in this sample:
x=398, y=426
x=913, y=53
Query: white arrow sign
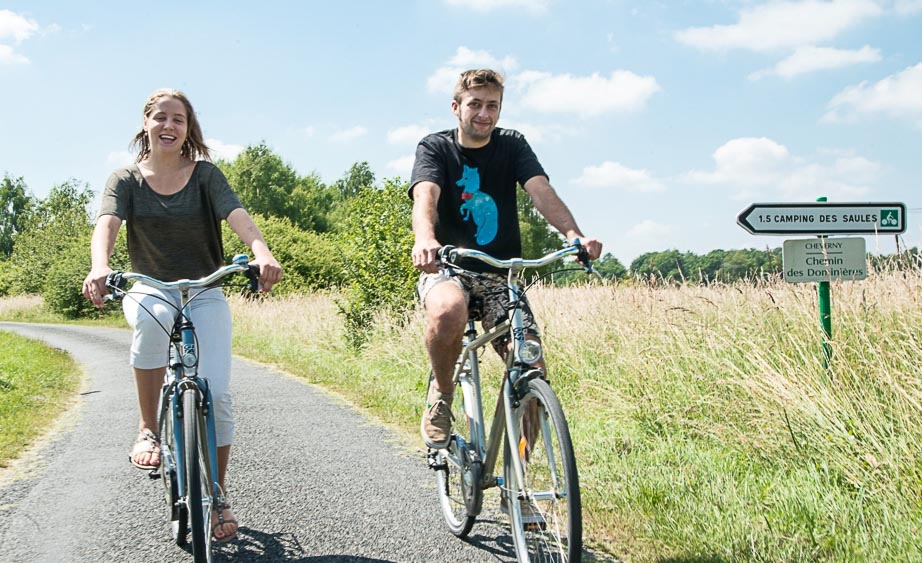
x=819, y=218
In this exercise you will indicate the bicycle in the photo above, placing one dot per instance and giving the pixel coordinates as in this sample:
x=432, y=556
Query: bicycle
x=188, y=454
x=540, y=483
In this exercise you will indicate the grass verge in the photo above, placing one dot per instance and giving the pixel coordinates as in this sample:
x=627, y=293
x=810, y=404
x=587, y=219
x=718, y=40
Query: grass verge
x=36, y=384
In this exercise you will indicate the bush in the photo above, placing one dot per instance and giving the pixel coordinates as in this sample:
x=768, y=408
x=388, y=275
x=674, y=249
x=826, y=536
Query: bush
x=378, y=243
x=63, y=283
x=62, y=288
x=6, y=278
x=308, y=259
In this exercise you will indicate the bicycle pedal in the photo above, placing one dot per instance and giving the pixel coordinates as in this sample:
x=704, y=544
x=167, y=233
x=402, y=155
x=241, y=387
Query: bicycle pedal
x=433, y=465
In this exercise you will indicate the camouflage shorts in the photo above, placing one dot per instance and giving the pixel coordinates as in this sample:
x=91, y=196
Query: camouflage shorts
x=487, y=299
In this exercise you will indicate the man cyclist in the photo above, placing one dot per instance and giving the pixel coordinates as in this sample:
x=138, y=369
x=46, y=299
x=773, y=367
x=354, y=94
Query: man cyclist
x=463, y=188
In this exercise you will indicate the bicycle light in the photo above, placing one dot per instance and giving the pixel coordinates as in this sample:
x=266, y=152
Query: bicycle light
x=529, y=352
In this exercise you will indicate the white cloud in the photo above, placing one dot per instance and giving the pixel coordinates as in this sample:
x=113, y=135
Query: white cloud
x=349, y=134
x=617, y=176
x=15, y=26
x=810, y=59
x=612, y=44
x=223, y=151
x=775, y=25
x=896, y=96
x=535, y=6
x=762, y=168
x=585, y=96
x=402, y=166
x=908, y=7
x=118, y=159
x=444, y=79
x=839, y=181
x=408, y=134
x=648, y=228
x=308, y=131
x=745, y=161
x=9, y=57
x=538, y=134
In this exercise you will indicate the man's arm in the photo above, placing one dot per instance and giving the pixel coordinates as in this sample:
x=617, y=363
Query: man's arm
x=556, y=212
x=425, y=246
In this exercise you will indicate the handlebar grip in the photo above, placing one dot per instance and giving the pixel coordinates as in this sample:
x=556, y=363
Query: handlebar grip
x=115, y=280
x=582, y=255
x=252, y=274
x=447, y=254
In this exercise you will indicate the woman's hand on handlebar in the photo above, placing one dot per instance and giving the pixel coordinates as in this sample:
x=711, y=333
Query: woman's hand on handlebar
x=270, y=271
x=94, y=286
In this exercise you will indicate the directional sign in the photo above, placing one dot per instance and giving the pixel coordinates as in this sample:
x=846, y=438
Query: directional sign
x=825, y=259
x=819, y=218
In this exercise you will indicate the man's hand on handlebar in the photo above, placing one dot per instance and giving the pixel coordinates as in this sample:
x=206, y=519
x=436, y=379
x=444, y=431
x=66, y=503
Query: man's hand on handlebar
x=593, y=247
x=425, y=254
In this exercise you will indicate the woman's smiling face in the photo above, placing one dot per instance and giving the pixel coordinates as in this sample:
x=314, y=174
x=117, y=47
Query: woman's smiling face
x=167, y=125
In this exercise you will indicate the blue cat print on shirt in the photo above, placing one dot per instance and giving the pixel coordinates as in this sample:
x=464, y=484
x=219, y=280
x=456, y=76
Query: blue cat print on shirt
x=478, y=205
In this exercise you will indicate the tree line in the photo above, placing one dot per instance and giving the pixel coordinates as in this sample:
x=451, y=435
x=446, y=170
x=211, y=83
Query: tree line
x=353, y=236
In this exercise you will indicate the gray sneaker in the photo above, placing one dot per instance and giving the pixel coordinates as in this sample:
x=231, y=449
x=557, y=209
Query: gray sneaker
x=531, y=514
x=435, y=425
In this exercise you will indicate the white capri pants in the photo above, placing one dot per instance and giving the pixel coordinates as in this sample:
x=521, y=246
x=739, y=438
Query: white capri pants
x=212, y=319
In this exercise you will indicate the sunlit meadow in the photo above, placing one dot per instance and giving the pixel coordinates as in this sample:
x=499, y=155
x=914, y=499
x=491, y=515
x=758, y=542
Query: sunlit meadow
x=707, y=425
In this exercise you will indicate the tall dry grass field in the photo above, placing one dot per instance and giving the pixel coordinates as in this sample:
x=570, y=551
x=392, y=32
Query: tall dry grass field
x=705, y=422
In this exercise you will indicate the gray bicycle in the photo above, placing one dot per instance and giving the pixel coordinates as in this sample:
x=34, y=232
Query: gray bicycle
x=540, y=484
x=188, y=455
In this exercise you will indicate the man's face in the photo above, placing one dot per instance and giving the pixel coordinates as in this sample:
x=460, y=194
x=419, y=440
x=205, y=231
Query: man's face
x=478, y=112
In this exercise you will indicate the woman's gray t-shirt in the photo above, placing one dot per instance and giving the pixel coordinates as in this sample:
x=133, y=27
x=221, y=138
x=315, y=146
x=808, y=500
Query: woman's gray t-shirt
x=177, y=236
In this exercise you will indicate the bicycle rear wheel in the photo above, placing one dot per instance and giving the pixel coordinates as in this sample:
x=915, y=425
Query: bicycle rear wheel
x=458, y=472
x=198, y=519
x=179, y=515
x=546, y=513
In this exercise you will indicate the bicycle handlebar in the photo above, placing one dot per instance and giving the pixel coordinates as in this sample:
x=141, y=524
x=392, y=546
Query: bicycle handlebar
x=240, y=263
x=450, y=255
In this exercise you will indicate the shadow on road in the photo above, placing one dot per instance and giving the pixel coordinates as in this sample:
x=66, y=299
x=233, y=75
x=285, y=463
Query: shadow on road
x=498, y=543
x=255, y=545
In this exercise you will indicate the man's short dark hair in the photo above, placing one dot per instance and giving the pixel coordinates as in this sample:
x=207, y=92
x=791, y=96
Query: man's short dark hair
x=478, y=78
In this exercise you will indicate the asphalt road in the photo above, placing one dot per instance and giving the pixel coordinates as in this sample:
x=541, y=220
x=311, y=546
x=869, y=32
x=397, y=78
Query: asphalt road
x=311, y=479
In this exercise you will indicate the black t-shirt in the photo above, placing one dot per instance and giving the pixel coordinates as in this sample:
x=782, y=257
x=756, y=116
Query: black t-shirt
x=477, y=199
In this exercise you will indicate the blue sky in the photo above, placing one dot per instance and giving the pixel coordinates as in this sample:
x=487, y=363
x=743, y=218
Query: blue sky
x=657, y=122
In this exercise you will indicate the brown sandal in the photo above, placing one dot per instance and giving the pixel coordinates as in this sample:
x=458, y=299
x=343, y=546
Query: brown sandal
x=219, y=508
x=147, y=442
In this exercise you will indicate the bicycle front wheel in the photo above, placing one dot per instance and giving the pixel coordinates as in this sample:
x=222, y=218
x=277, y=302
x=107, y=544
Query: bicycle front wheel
x=546, y=511
x=458, y=472
x=198, y=519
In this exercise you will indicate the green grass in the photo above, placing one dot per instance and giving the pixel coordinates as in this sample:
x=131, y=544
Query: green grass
x=36, y=385
x=706, y=426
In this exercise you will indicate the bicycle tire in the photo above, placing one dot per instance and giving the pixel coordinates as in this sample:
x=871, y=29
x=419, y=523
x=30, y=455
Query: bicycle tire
x=458, y=481
x=179, y=515
x=194, y=476
x=559, y=537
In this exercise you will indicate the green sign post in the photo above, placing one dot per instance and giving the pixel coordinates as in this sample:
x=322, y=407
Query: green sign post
x=822, y=219
x=825, y=304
